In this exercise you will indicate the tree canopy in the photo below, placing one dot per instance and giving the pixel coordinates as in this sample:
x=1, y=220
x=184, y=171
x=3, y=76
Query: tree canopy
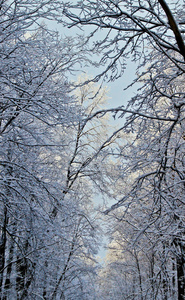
x=57, y=151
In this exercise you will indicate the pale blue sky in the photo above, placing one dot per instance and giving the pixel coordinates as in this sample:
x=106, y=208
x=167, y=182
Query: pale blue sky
x=116, y=94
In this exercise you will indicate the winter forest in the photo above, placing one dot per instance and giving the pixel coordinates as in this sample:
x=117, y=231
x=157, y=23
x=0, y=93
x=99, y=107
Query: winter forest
x=75, y=172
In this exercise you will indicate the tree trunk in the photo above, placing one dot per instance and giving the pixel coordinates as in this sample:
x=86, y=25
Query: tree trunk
x=181, y=277
x=2, y=250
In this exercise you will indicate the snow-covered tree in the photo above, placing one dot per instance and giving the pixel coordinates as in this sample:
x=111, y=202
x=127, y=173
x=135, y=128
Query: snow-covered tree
x=47, y=240
x=151, y=32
